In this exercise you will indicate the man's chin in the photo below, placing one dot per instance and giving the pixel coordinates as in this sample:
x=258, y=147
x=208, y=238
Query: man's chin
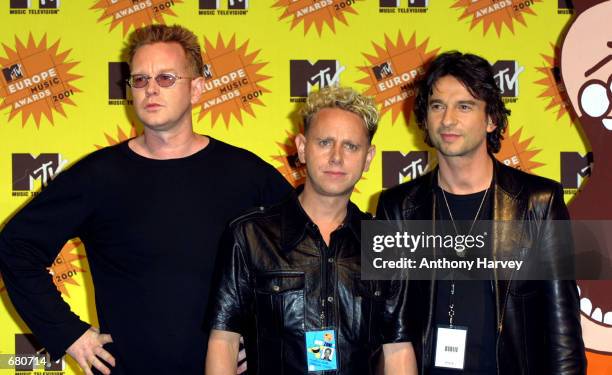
x=155, y=125
x=333, y=190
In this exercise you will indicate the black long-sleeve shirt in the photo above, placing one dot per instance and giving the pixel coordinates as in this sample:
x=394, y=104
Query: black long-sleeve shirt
x=151, y=230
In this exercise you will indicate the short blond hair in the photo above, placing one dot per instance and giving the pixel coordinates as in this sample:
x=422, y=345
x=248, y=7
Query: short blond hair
x=344, y=98
x=167, y=34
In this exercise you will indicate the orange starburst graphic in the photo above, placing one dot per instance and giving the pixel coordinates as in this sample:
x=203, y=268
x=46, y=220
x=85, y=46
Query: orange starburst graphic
x=291, y=168
x=121, y=137
x=516, y=153
x=392, y=71
x=317, y=12
x=232, y=81
x=553, y=86
x=63, y=270
x=37, y=80
x=497, y=13
x=135, y=14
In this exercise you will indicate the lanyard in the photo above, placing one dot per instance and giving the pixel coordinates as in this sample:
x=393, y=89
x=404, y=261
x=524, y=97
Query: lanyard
x=451, y=304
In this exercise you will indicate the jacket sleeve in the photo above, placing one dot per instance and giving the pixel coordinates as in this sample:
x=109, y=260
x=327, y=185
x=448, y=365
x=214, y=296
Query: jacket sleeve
x=401, y=315
x=230, y=292
x=567, y=354
x=29, y=243
x=382, y=213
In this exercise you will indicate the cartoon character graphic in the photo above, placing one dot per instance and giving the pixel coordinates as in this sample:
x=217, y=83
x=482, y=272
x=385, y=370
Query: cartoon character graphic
x=328, y=339
x=586, y=69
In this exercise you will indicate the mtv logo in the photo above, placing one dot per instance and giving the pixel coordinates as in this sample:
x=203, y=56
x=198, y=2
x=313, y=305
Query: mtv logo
x=506, y=75
x=418, y=3
x=27, y=169
x=382, y=71
x=304, y=75
x=389, y=3
x=27, y=346
x=397, y=167
x=118, y=73
x=20, y=4
x=48, y=4
x=209, y=4
x=574, y=168
x=237, y=4
x=294, y=161
x=565, y=4
x=207, y=73
x=12, y=73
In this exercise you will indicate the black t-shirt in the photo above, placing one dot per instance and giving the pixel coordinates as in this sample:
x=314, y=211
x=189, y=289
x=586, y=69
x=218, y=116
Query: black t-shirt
x=151, y=230
x=473, y=300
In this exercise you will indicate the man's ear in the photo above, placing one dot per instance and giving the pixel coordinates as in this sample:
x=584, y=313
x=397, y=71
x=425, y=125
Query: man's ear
x=369, y=157
x=490, y=125
x=300, y=144
x=197, y=88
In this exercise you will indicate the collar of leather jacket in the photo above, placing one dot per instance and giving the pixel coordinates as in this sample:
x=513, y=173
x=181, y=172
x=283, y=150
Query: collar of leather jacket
x=295, y=222
x=505, y=186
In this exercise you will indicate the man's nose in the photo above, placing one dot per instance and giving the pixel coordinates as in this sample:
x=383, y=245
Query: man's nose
x=152, y=88
x=448, y=117
x=336, y=155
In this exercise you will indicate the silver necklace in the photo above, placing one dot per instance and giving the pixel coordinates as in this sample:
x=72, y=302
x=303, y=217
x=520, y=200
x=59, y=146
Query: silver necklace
x=462, y=252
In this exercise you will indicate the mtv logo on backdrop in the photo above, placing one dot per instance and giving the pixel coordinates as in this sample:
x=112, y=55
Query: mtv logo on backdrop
x=233, y=7
x=28, y=169
x=48, y=4
x=20, y=4
x=389, y=3
x=294, y=160
x=209, y=4
x=575, y=168
x=398, y=167
x=237, y=4
x=408, y=3
x=382, y=71
x=507, y=77
x=207, y=73
x=565, y=4
x=418, y=3
x=26, y=346
x=12, y=73
x=305, y=77
x=118, y=73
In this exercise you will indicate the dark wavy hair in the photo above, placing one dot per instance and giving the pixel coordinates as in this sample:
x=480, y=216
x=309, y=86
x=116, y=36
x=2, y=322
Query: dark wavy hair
x=476, y=74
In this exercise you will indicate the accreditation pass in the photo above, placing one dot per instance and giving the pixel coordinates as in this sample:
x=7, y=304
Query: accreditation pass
x=450, y=346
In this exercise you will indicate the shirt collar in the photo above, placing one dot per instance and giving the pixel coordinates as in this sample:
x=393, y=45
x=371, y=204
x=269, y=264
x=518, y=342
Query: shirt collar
x=295, y=223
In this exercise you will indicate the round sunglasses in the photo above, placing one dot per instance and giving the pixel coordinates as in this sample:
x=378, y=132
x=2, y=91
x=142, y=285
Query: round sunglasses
x=138, y=81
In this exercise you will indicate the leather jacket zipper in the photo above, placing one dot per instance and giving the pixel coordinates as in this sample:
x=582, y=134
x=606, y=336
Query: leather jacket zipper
x=323, y=315
x=500, y=321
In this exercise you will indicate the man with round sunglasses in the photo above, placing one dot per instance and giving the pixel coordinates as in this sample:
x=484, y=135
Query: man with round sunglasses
x=150, y=212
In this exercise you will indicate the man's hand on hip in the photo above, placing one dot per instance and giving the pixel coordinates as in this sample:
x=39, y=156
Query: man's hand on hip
x=87, y=350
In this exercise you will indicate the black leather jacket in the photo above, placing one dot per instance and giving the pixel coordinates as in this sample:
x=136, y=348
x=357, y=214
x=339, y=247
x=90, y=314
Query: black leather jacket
x=278, y=279
x=538, y=322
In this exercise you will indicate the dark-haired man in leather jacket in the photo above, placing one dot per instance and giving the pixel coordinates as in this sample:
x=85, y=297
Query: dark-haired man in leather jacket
x=289, y=278
x=515, y=326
